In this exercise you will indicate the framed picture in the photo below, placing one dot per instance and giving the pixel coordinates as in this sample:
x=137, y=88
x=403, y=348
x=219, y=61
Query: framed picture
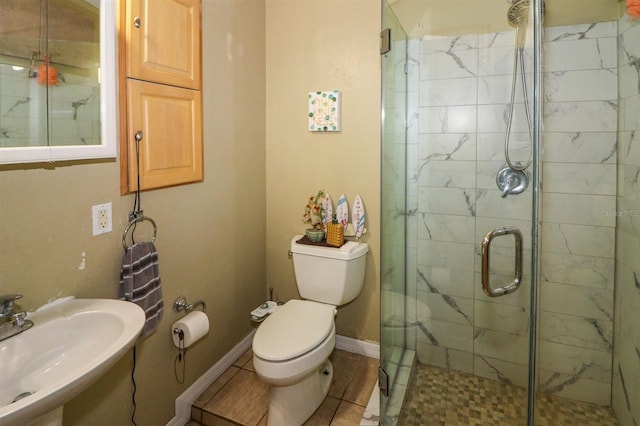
x=324, y=111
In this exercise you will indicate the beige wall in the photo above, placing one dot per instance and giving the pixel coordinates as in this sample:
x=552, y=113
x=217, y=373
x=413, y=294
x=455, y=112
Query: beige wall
x=211, y=235
x=313, y=46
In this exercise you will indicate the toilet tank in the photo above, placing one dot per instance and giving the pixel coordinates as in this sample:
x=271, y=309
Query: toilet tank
x=329, y=274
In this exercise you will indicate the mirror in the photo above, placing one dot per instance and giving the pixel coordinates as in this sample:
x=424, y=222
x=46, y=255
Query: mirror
x=57, y=80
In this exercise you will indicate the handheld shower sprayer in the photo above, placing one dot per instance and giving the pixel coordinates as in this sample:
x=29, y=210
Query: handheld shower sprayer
x=518, y=17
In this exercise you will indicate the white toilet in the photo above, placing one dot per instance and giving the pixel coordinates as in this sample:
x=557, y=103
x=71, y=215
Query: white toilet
x=291, y=347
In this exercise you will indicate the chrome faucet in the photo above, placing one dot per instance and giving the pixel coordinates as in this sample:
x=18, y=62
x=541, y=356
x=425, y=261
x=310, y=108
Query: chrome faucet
x=6, y=304
x=11, y=322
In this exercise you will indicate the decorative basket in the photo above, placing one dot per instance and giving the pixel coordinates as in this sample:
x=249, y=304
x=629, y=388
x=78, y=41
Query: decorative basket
x=335, y=234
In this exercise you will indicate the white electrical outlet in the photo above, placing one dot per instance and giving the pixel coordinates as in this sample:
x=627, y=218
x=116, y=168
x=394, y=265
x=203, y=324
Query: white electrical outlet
x=101, y=215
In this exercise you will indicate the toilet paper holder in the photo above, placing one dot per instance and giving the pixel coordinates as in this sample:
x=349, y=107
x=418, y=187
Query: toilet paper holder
x=181, y=304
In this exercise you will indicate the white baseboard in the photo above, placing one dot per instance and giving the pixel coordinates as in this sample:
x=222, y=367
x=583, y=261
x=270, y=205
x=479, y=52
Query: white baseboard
x=361, y=347
x=184, y=401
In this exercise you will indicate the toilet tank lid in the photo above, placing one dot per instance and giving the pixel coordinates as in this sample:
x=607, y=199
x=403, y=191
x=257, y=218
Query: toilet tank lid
x=350, y=250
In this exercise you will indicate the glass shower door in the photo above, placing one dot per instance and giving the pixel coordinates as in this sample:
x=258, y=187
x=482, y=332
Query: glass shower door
x=472, y=345
x=394, y=372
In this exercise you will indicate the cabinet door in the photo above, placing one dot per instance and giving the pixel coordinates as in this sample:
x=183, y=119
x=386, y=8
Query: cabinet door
x=163, y=41
x=170, y=150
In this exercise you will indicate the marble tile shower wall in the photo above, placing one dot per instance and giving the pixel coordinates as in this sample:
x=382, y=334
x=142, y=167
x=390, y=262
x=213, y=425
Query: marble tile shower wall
x=626, y=360
x=459, y=91
x=74, y=106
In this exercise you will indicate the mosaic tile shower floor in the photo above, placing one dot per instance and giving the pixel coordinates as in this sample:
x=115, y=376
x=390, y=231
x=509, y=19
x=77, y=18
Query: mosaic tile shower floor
x=441, y=397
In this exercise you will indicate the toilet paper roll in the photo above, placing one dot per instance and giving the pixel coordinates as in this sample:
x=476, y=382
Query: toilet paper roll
x=194, y=326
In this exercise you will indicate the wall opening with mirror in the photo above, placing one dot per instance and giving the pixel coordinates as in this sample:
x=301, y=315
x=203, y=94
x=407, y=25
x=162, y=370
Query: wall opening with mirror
x=57, y=80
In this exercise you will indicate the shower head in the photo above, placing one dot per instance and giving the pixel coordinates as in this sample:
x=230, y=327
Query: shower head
x=518, y=12
x=518, y=16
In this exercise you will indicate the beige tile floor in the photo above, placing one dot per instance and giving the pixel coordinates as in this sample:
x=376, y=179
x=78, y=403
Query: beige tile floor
x=239, y=397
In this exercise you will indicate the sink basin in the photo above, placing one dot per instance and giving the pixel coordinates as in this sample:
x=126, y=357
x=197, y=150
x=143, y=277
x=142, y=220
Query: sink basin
x=71, y=344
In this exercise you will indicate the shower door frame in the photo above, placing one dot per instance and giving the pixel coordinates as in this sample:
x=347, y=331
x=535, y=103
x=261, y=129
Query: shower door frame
x=536, y=213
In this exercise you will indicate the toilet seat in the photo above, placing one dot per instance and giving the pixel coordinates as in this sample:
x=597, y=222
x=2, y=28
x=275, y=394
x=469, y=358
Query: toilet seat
x=296, y=328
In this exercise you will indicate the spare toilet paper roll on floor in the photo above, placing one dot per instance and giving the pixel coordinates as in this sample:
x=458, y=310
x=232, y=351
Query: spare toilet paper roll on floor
x=195, y=325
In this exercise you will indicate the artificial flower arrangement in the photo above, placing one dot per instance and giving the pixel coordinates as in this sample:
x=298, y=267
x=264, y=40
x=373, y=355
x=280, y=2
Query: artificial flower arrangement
x=324, y=224
x=633, y=9
x=313, y=212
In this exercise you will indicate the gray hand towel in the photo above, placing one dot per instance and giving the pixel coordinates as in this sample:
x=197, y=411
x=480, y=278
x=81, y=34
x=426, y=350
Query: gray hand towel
x=140, y=283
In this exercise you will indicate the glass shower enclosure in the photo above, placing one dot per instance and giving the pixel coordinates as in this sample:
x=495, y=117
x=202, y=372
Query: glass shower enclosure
x=397, y=349
x=500, y=258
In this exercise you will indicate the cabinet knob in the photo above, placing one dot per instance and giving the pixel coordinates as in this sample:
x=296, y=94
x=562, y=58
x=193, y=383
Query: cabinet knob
x=138, y=136
x=136, y=22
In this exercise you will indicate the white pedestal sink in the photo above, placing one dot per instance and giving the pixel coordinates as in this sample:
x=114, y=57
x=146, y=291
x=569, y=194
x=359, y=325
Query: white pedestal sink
x=71, y=344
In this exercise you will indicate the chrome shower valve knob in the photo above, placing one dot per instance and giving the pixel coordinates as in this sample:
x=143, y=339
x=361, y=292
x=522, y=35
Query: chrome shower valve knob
x=511, y=182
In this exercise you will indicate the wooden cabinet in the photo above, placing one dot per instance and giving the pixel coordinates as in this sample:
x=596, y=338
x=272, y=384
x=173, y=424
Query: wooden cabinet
x=160, y=93
x=164, y=41
x=169, y=119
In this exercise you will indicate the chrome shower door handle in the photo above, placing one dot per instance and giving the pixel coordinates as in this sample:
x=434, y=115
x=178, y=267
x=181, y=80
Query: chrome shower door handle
x=486, y=246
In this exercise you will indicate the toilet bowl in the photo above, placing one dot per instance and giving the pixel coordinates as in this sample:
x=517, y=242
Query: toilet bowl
x=290, y=352
x=291, y=348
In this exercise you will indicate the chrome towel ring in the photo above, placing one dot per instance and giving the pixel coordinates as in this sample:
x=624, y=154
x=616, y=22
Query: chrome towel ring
x=133, y=223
